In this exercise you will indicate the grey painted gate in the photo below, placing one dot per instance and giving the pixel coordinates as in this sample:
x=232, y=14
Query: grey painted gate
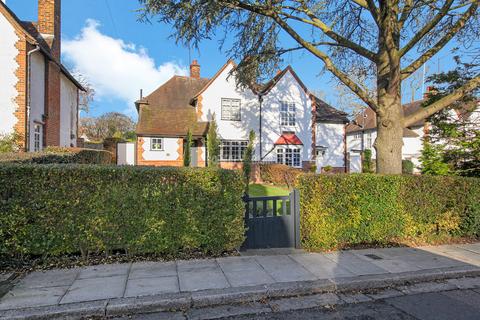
x=272, y=222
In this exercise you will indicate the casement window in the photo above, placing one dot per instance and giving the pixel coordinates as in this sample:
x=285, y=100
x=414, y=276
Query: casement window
x=232, y=150
x=37, y=137
x=231, y=109
x=156, y=144
x=357, y=136
x=287, y=114
x=289, y=157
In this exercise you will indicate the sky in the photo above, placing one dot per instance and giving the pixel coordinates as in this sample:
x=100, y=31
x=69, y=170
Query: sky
x=104, y=42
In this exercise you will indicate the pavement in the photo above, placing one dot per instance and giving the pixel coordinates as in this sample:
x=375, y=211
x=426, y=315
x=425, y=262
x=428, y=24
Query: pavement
x=133, y=288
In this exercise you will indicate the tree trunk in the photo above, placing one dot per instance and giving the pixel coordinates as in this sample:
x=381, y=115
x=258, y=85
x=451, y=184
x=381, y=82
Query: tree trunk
x=389, y=142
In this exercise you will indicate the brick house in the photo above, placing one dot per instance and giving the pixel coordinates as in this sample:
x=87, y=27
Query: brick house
x=39, y=98
x=292, y=126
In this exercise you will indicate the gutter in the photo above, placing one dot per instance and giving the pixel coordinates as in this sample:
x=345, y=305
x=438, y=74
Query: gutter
x=29, y=99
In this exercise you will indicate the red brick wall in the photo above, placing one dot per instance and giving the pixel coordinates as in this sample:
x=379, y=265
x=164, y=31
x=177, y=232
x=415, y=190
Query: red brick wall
x=52, y=104
x=49, y=22
x=21, y=87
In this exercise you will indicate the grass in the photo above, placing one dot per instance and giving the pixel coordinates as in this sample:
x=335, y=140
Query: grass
x=264, y=190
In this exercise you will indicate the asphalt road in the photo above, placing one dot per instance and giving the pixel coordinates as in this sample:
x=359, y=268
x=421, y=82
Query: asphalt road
x=457, y=305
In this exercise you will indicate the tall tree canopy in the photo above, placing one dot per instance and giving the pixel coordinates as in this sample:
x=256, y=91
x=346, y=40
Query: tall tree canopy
x=111, y=124
x=387, y=40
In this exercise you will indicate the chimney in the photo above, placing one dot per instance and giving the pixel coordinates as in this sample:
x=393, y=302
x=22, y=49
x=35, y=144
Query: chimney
x=195, y=70
x=49, y=24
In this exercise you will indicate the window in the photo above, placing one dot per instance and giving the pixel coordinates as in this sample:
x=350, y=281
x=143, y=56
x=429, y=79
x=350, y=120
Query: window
x=287, y=114
x=357, y=136
x=289, y=157
x=232, y=150
x=37, y=137
x=231, y=109
x=156, y=144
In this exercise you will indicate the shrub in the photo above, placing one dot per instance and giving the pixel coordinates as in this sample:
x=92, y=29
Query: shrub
x=407, y=167
x=187, y=149
x=247, y=159
x=279, y=174
x=59, y=155
x=61, y=209
x=9, y=142
x=345, y=210
x=367, y=163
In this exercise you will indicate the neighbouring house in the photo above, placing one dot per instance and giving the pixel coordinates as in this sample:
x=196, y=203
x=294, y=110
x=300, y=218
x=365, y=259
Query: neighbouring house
x=292, y=126
x=362, y=132
x=39, y=98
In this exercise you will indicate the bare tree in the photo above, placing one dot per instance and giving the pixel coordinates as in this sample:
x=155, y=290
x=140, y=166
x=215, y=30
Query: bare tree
x=388, y=39
x=108, y=125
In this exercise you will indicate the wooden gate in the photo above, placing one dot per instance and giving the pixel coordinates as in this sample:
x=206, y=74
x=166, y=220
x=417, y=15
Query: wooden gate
x=272, y=222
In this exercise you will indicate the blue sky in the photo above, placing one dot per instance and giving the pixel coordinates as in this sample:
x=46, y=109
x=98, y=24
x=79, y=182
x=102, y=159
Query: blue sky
x=122, y=55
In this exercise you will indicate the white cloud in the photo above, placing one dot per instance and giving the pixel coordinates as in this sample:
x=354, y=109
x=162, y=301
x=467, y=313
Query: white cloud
x=116, y=69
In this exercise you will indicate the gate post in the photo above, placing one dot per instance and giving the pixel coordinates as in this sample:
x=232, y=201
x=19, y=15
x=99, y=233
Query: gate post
x=296, y=215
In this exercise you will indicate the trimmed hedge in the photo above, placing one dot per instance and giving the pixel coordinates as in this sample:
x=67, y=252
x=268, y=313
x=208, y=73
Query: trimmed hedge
x=62, y=209
x=345, y=210
x=279, y=174
x=59, y=155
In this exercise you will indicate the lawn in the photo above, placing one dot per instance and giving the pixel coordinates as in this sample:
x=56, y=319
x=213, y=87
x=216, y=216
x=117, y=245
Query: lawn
x=265, y=190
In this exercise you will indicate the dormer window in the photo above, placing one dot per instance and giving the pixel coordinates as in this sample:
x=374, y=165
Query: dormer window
x=287, y=114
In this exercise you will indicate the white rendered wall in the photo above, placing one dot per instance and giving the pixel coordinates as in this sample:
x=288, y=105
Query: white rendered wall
x=289, y=90
x=68, y=112
x=37, y=92
x=126, y=153
x=330, y=135
x=8, y=79
x=169, y=152
x=224, y=86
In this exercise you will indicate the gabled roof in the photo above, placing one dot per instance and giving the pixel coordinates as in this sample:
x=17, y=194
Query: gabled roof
x=367, y=120
x=269, y=85
x=210, y=81
x=327, y=113
x=167, y=110
x=33, y=37
x=288, y=139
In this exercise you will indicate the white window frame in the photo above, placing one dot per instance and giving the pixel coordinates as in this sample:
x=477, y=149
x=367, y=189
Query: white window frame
x=288, y=114
x=154, y=142
x=232, y=150
x=289, y=156
x=357, y=136
x=37, y=137
x=369, y=140
x=231, y=112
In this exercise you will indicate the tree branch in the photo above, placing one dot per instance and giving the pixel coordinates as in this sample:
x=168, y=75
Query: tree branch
x=424, y=113
x=441, y=43
x=427, y=28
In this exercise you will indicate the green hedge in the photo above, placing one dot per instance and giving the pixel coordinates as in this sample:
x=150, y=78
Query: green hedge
x=58, y=155
x=346, y=210
x=63, y=209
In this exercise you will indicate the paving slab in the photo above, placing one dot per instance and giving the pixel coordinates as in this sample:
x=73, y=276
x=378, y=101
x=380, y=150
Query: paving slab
x=51, y=278
x=105, y=270
x=32, y=297
x=384, y=294
x=474, y=247
x=354, y=264
x=427, y=287
x=95, y=289
x=156, y=316
x=465, y=283
x=151, y=286
x=321, y=266
x=457, y=253
x=392, y=265
x=354, y=297
x=152, y=269
x=244, y=271
x=307, y=302
x=202, y=279
x=284, y=269
x=197, y=265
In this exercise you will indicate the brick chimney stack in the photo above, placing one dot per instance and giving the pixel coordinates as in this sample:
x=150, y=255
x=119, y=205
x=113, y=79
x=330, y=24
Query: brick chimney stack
x=195, y=70
x=49, y=24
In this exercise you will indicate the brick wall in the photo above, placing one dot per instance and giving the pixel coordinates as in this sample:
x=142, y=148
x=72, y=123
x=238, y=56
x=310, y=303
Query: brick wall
x=49, y=23
x=52, y=104
x=21, y=88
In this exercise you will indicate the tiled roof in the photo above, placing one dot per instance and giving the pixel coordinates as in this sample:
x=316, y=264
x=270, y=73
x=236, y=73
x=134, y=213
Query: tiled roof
x=167, y=111
x=327, y=113
x=288, y=139
x=368, y=119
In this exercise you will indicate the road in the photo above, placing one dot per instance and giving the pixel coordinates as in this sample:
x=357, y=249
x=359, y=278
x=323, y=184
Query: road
x=456, y=304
